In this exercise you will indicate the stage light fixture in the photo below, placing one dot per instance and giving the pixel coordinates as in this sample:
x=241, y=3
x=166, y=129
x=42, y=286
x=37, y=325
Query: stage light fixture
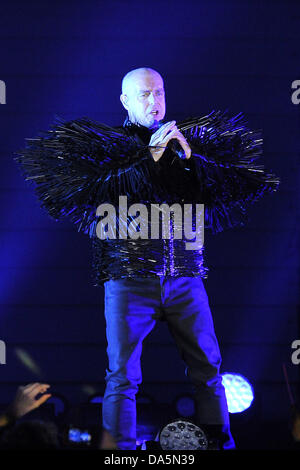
x=182, y=435
x=185, y=405
x=239, y=392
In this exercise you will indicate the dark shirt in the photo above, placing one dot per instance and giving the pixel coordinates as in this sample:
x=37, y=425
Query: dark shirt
x=175, y=182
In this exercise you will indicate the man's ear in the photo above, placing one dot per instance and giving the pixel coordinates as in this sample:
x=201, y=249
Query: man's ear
x=124, y=100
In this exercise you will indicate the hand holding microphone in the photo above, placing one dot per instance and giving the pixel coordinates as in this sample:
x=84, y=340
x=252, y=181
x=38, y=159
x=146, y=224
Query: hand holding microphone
x=169, y=133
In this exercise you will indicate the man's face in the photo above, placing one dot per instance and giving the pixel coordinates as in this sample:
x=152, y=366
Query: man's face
x=145, y=99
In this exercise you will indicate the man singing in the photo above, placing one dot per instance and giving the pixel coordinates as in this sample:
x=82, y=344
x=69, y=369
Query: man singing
x=81, y=164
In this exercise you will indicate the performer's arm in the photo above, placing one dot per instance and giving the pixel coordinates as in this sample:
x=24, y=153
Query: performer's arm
x=226, y=161
x=80, y=164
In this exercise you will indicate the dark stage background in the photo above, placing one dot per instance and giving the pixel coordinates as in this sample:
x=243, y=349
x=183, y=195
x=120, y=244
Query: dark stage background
x=67, y=58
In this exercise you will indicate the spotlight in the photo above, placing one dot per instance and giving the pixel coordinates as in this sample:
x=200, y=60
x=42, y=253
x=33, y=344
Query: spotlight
x=182, y=435
x=96, y=399
x=239, y=392
x=185, y=406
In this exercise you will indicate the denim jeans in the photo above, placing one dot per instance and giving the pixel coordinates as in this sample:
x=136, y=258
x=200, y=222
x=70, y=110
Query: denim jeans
x=132, y=308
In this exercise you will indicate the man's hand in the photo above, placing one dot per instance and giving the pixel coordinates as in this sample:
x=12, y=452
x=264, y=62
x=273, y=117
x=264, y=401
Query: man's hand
x=25, y=399
x=160, y=138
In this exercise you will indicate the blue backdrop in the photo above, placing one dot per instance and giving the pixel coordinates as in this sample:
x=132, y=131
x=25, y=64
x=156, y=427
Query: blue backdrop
x=68, y=58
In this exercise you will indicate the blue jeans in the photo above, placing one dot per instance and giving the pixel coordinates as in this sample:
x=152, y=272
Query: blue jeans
x=132, y=308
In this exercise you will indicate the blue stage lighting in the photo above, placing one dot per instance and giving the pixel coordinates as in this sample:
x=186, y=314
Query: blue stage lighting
x=239, y=392
x=185, y=406
x=96, y=399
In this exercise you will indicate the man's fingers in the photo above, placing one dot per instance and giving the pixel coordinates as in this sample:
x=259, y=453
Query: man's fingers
x=176, y=134
x=42, y=400
x=26, y=387
x=164, y=129
x=171, y=135
x=167, y=125
x=180, y=138
x=166, y=133
x=36, y=388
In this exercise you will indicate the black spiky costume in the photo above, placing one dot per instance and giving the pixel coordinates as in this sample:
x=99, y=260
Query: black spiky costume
x=78, y=165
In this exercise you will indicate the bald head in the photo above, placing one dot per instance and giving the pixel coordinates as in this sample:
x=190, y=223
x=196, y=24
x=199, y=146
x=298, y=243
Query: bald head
x=143, y=96
x=135, y=75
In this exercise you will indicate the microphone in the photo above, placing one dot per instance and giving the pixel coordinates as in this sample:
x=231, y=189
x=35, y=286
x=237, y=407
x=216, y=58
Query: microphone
x=175, y=146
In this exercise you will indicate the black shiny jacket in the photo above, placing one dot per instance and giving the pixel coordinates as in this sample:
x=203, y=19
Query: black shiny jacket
x=175, y=182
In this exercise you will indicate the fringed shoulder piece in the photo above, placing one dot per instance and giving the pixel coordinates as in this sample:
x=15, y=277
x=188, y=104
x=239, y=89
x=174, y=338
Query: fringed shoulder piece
x=80, y=164
x=225, y=156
